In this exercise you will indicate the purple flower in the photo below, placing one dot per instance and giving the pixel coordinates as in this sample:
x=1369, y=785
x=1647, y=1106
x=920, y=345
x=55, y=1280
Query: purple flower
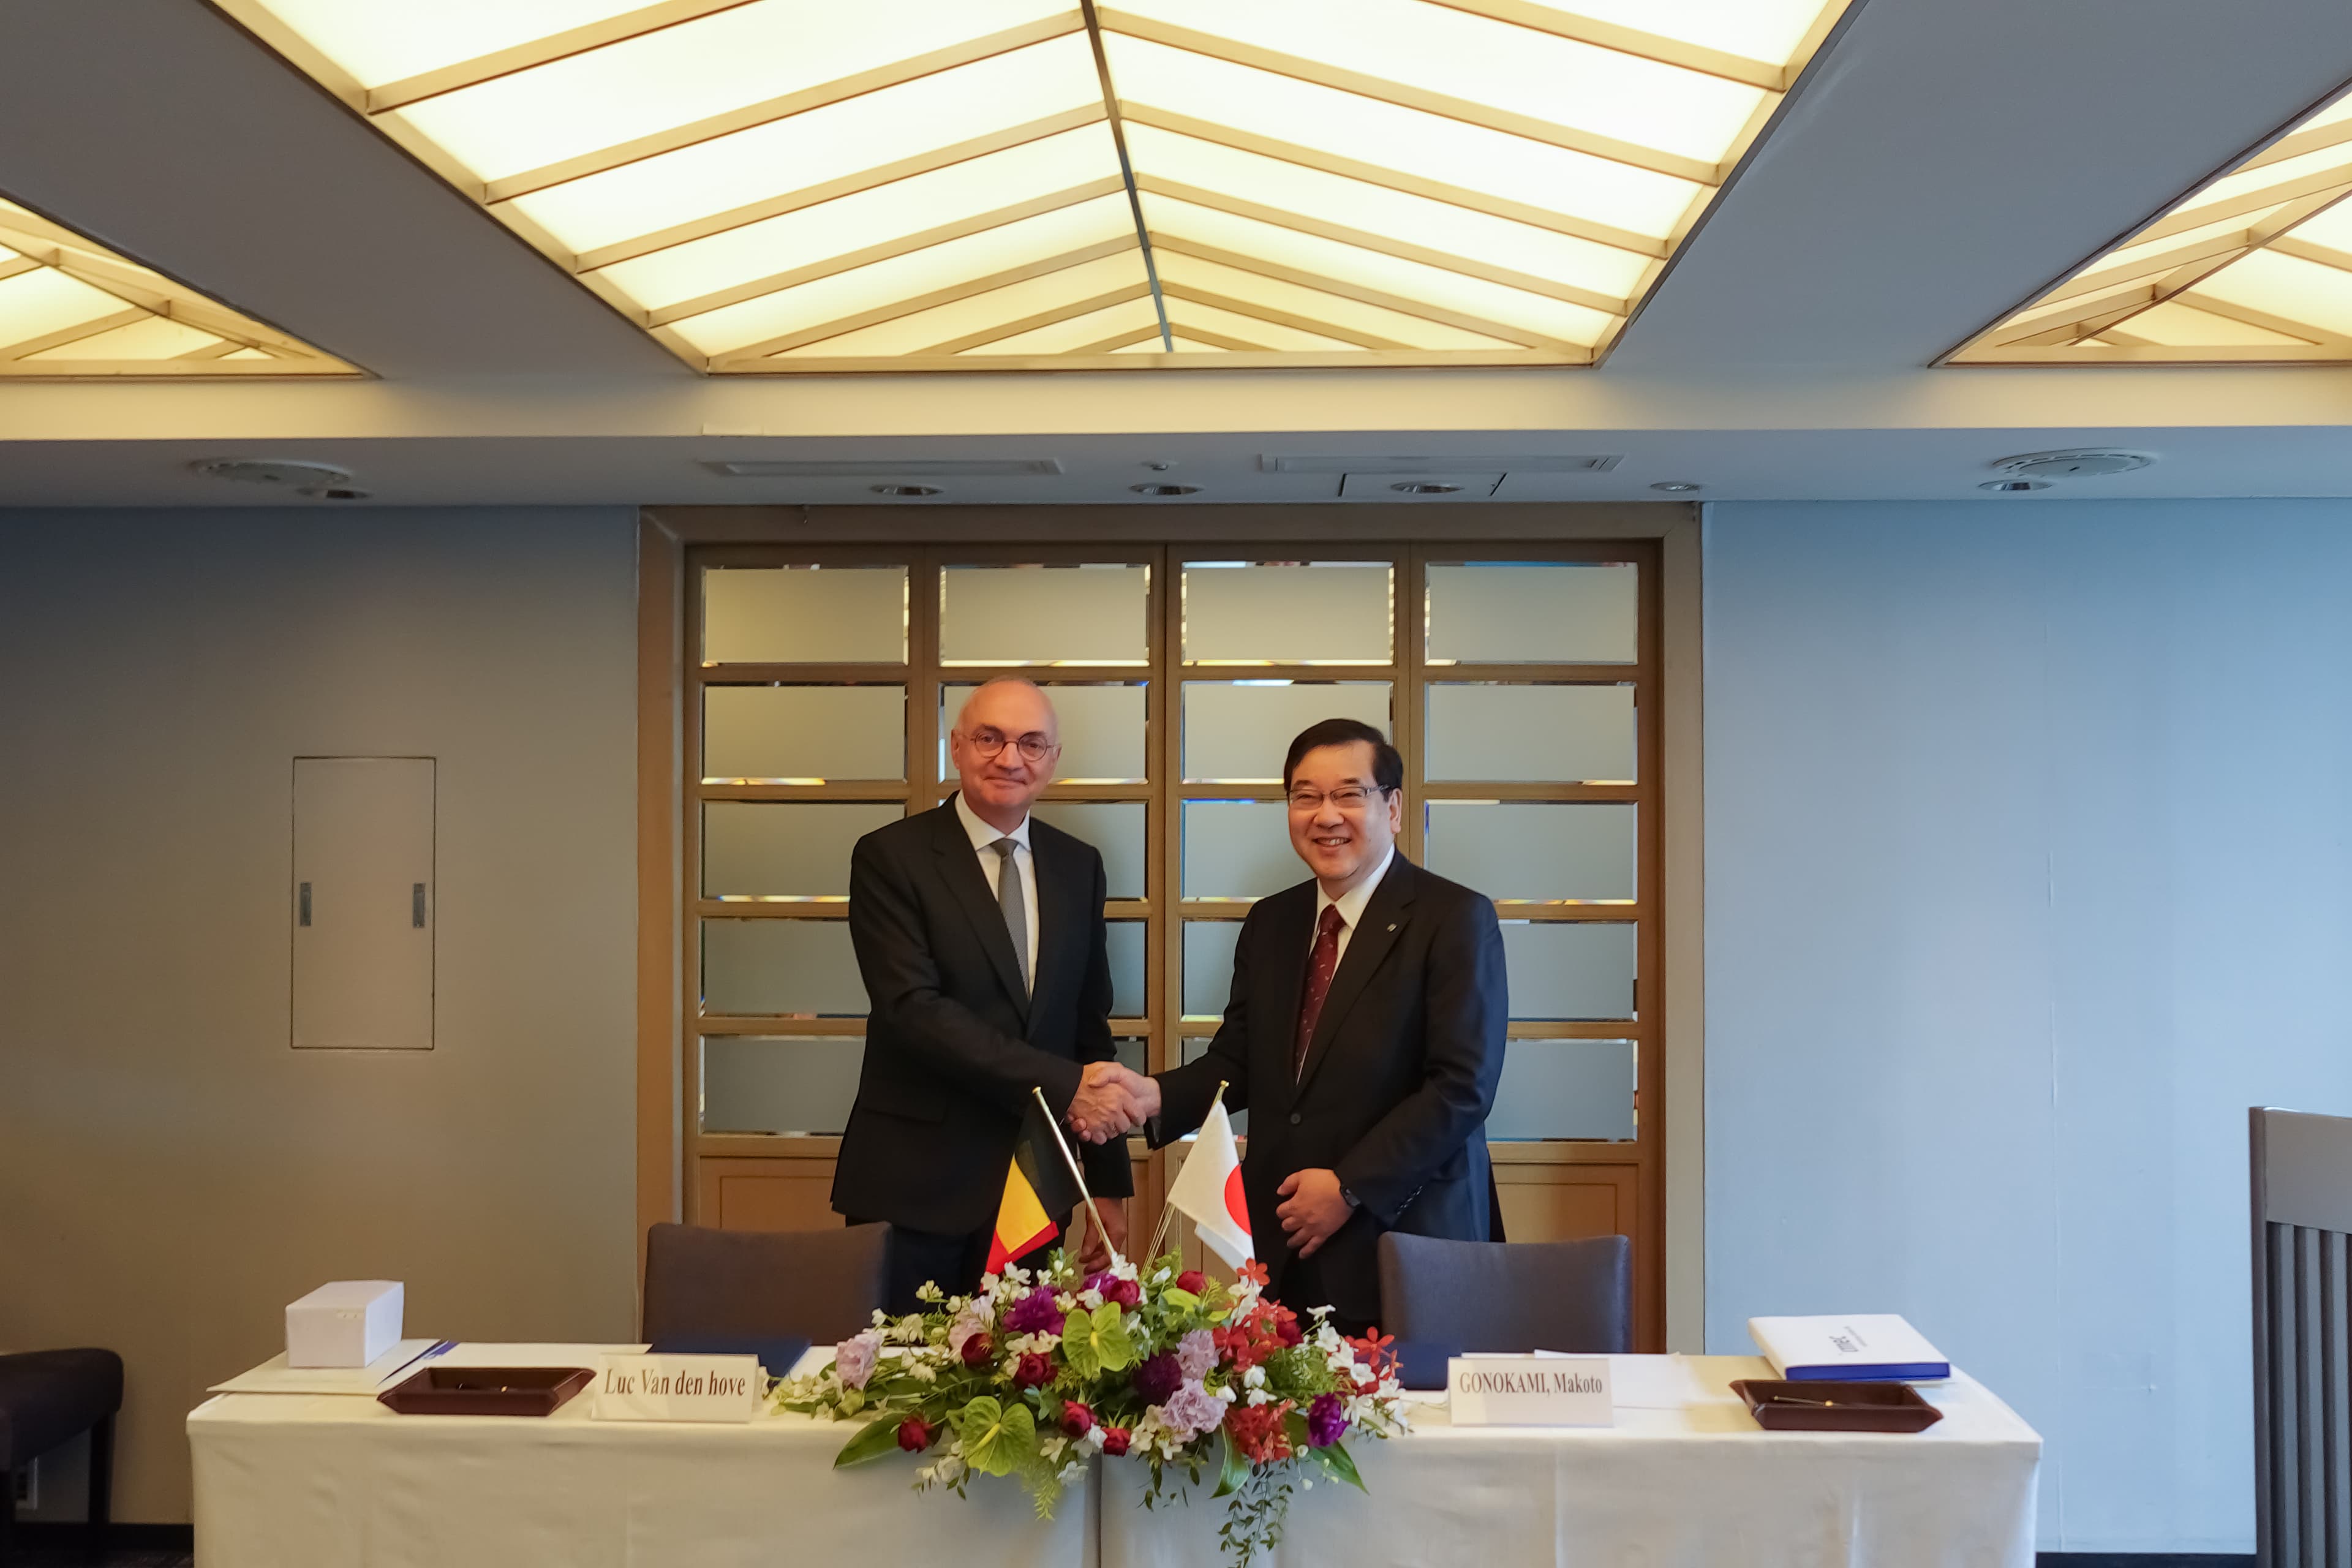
x=853, y=1357
x=1196, y=1353
x=1157, y=1378
x=1034, y=1314
x=1101, y=1281
x=1327, y=1418
x=1191, y=1411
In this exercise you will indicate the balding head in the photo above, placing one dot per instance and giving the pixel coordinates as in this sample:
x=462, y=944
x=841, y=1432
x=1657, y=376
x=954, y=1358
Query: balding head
x=997, y=776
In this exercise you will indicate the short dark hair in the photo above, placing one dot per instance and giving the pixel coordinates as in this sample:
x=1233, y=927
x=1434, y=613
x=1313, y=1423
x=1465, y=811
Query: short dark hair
x=1388, y=767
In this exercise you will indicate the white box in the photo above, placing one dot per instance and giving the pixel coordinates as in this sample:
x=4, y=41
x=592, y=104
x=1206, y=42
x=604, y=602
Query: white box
x=347, y=1323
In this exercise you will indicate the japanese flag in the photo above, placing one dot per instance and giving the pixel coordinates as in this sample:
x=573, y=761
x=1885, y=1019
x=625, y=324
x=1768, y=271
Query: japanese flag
x=1208, y=1191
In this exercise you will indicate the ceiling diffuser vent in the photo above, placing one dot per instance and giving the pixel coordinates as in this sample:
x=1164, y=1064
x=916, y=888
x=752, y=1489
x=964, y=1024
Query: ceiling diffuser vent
x=885, y=469
x=1273, y=463
x=2081, y=463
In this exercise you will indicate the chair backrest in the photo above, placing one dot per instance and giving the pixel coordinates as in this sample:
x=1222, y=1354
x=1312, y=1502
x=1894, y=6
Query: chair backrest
x=1508, y=1296
x=817, y=1285
x=2302, y=1191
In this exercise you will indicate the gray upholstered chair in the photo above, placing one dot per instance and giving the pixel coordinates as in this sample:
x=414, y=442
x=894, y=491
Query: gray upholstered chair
x=816, y=1285
x=1465, y=1296
x=46, y=1397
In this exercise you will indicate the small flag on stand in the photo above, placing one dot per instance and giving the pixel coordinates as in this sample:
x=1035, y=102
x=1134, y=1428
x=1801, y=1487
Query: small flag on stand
x=1038, y=1190
x=1208, y=1189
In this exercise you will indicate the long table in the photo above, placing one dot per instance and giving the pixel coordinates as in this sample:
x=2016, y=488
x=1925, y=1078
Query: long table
x=1684, y=1478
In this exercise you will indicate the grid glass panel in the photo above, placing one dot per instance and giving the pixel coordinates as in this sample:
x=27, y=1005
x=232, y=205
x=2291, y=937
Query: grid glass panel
x=781, y=968
x=1102, y=732
x=1294, y=613
x=1128, y=943
x=1048, y=614
x=1116, y=828
x=1566, y=1089
x=783, y=850
x=1570, y=970
x=1535, y=733
x=1238, y=850
x=1239, y=732
x=805, y=734
x=1209, y=966
x=1546, y=851
x=1511, y=612
x=804, y=614
x=800, y=1084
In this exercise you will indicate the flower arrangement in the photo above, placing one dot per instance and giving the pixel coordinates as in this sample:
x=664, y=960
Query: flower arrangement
x=1159, y=1365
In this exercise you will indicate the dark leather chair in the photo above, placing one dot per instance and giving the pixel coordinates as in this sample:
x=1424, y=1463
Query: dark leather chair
x=818, y=1285
x=1520, y=1296
x=46, y=1397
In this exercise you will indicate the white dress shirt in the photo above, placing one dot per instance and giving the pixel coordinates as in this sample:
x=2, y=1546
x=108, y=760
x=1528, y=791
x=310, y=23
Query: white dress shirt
x=983, y=836
x=1350, y=904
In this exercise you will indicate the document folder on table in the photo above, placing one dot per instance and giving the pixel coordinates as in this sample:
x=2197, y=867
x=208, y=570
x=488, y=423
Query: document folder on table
x=1867, y=1347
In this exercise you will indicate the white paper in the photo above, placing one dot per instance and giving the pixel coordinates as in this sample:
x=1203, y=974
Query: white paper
x=1859, y=1343
x=1662, y=1383
x=274, y=1377
x=491, y=1352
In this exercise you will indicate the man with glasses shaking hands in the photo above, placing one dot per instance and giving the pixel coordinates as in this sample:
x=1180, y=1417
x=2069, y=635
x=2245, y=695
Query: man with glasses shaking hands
x=1364, y=1034
x=980, y=935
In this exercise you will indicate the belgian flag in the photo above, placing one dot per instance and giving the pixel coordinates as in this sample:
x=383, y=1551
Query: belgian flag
x=1038, y=1186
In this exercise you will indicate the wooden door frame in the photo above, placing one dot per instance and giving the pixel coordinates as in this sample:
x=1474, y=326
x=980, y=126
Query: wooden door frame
x=1674, y=1205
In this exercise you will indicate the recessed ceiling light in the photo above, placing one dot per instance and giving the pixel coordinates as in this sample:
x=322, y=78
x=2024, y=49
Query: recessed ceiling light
x=1426, y=487
x=1675, y=487
x=299, y=475
x=2014, y=485
x=904, y=490
x=1165, y=490
x=2075, y=463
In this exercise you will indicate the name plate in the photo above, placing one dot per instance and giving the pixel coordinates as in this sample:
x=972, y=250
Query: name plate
x=1529, y=1390
x=678, y=1388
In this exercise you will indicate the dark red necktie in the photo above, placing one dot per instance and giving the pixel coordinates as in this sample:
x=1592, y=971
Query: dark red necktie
x=1319, y=965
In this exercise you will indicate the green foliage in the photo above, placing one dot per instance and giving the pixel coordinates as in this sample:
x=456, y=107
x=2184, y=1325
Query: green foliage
x=1338, y=1463
x=998, y=1439
x=875, y=1439
x=1098, y=1344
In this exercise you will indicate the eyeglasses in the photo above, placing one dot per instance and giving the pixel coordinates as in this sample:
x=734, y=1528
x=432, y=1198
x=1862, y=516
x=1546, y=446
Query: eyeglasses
x=1347, y=797
x=1033, y=747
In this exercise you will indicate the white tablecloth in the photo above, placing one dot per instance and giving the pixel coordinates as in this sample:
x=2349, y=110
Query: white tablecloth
x=339, y=1482
x=1698, y=1485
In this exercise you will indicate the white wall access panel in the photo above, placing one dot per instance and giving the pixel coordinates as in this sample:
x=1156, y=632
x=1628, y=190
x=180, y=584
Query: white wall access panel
x=363, y=903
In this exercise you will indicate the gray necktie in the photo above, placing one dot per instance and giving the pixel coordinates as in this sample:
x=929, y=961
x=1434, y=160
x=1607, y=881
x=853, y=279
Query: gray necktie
x=1015, y=905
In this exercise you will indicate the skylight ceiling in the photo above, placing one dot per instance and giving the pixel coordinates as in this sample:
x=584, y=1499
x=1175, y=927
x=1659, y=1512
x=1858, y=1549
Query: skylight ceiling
x=69, y=308
x=2254, y=266
x=779, y=185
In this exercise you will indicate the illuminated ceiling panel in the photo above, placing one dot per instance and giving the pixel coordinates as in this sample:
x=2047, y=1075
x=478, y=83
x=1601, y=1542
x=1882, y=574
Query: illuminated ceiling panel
x=2253, y=266
x=774, y=186
x=69, y=308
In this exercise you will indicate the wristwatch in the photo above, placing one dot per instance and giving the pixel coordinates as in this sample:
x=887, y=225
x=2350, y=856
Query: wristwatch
x=1351, y=1199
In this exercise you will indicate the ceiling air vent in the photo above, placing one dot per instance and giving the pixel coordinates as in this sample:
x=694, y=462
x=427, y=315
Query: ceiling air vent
x=883, y=469
x=2080, y=463
x=1521, y=463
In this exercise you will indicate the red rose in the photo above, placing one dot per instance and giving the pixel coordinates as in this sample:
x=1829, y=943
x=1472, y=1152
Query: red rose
x=1126, y=1293
x=1076, y=1419
x=977, y=1349
x=913, y=1435
x=1114, y=1441
x=1034, y=1370
x=1193, y=1281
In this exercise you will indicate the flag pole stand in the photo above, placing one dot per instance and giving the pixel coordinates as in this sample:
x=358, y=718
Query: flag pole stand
x=1167, y=1208
x=1079, y=1176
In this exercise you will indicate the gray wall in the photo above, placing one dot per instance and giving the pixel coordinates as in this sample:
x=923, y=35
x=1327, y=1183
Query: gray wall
x=2027, y=874
x=171, y=1172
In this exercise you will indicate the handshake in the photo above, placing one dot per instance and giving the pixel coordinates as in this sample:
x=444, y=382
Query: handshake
x=1111, y=1101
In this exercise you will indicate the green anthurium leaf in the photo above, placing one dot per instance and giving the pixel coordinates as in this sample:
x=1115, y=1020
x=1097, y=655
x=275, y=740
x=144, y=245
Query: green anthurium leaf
x=1093, y=1343
x=1236, y=1468
x=1183, y=1299
x=1336, y=1460
x=874, y=1440
x=997, y=1439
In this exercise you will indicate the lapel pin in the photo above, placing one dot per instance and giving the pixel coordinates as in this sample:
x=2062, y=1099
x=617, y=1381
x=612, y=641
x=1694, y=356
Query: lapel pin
x=1391, y=925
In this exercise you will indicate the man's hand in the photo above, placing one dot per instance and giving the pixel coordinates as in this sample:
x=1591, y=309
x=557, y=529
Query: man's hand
x=1112, y=1100
x=1096, y=1254
x=1314, y=1209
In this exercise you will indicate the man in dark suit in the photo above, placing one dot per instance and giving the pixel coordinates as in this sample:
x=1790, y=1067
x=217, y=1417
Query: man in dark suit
x=979, y=932
x=1364, y=1034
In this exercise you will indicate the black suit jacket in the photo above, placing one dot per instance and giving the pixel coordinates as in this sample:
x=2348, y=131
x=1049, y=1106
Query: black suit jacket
x=1398, y=1079
x=952, y=1046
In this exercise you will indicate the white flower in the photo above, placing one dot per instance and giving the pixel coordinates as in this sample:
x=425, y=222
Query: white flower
x=1306, y=1483
x=1161, y=1278
x=1091, y=1444
x=1089, y=1299
x=911, y=1329
x=1063, y=1301
x=1227, y=1393
x=922, y=1372
x=1253, y=1378
x=951, y=1469
x=1072, y=1472
x=1260, y=1396
x=1052, y=1447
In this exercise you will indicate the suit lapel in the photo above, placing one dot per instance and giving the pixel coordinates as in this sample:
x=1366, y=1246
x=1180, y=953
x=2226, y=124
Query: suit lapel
x=1289, y=924
x=1368, y=944
x=959, y=864
x=1057, y=882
